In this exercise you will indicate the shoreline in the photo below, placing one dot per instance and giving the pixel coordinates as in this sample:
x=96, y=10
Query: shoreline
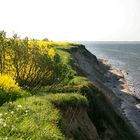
x=126, y=78
x=121, y=77
x=117, y=82
x=122, y=82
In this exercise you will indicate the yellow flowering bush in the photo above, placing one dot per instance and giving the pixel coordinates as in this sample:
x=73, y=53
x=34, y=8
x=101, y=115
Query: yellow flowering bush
x=43, y=46
x=48, y=43
x=51, y=52
x=9, y=89
x=8, y=84
x=46, y=46
x=31, y=62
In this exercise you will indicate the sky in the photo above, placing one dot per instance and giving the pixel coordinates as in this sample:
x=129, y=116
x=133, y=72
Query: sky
x=72, y=20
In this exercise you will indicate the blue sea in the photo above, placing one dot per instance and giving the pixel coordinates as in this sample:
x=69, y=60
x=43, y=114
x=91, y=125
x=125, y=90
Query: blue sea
x=125, y=56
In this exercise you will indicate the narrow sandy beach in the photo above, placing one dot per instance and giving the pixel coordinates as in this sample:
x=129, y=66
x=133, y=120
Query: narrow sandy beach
x=130, y=106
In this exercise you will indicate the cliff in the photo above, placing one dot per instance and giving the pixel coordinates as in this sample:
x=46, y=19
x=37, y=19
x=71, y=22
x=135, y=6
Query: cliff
x=78, y=125
x=105, y=109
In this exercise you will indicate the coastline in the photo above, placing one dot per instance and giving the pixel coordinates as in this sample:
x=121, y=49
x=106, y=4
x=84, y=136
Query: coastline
x=120, y=77
x=111, y=82
x=117, y=82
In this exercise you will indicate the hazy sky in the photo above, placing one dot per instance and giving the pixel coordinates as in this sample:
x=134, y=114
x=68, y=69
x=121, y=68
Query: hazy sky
x=67, y=20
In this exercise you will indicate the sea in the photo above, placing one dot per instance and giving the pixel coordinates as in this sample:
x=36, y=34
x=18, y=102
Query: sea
x=122, y=55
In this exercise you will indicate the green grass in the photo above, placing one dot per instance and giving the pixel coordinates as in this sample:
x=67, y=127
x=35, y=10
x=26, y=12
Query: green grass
x=64, y=101
x=12, y=96
x=65, y=56
x=78, y=80
x=77, y=85
x=31, y=118
x=69, y=46
x=37, y=117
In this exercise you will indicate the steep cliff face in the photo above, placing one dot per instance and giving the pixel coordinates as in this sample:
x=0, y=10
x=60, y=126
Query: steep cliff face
x=91, y=68
x=78, y=125
x=105, y=104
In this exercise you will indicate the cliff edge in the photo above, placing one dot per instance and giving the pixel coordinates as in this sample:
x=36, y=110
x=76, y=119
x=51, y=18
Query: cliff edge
x=78, y=125
x=105, y=106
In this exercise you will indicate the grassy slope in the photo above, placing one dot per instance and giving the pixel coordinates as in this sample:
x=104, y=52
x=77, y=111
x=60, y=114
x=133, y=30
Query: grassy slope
x=37, y=117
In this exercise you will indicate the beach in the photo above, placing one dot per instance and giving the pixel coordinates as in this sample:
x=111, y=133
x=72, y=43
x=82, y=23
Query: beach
x=130, y=104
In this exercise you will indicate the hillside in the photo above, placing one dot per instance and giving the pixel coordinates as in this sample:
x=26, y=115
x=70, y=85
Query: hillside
x=54, y=90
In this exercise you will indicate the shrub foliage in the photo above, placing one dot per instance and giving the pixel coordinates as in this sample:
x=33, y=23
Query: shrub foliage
x=9, y=89
x=31, y=62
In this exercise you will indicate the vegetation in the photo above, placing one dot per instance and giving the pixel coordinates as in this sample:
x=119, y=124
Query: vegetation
x=28, y=65
x=100, y=110
x=31, y=118
x=64, y=101
x=9, y=89
x=31, y=62
x=40, y=73
x=36, y=117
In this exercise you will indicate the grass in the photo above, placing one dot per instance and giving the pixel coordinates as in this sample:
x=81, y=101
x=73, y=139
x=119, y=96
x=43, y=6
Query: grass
x=65, y=55
x=37, y=117
x=100, y=110
x=65, y=46
x=64, y=101
x=78, y=80
x=31, y=118
x=75, y=85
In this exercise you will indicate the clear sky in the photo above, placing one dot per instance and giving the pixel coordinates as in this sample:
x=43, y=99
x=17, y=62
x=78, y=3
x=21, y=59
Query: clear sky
x=72, y=20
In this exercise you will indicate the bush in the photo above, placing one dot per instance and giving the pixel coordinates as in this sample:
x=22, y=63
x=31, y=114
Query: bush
x=9, y=89
x=8, y=84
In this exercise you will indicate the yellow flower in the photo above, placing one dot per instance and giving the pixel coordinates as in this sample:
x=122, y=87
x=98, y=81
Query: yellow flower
x=8, y=84
x=51, y=52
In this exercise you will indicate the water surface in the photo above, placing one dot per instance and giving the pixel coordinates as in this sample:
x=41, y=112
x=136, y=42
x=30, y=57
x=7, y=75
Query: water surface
x=123, y=56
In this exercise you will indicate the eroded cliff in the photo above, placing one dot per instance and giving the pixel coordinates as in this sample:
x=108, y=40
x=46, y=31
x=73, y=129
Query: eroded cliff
x=105, y=109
